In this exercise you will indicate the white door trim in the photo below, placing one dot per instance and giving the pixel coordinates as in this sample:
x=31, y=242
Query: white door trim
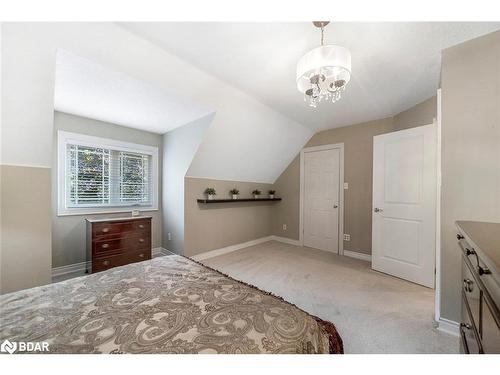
x=437, y=302
x=339, y=146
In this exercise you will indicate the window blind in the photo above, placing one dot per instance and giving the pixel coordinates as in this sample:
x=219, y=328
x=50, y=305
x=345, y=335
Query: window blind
x=100, y=177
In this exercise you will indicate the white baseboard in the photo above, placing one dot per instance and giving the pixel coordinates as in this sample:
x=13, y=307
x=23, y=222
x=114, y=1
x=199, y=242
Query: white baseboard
x=286, y=240
x=448, y=326
x=160, y=251
x=82, y=266
x=230, y=249
x=70, y=268
x=354, y=254
x=168, y=252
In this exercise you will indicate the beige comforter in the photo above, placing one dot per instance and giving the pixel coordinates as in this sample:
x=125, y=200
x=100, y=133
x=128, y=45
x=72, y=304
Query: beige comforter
x=166, y=305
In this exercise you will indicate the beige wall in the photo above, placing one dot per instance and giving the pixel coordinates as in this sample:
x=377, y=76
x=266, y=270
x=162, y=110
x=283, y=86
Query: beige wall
x=420, y=114
x=470, y=82
x=68, y=232
x=358, y=161
x=25, y=232
x=214, y=226
x=287, y=212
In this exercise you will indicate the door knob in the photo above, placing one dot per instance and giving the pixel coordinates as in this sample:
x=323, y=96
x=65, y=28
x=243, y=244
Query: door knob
x=378, y=209
x=335, y=206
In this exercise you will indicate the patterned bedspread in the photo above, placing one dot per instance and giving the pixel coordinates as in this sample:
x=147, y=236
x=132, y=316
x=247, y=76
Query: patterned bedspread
x=165, y=305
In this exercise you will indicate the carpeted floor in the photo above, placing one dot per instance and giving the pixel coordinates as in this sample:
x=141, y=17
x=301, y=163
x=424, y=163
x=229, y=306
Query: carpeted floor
x=374, y=312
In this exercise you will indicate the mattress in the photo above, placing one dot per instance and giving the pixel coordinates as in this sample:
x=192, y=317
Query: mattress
x=168, y=304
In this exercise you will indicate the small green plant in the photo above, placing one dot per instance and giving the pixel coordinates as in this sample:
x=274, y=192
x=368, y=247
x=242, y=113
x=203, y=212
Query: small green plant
x=210, y=191
x=272, y=192
x=234, y=191
x=256, y=192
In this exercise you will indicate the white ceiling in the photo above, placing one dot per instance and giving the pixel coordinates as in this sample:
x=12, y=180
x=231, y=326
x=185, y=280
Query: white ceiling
x=87, y=89
x=394, y=65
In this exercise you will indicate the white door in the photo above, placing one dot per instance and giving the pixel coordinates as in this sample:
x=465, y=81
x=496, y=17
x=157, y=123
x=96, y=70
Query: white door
x=321, y=198
x=404, y=204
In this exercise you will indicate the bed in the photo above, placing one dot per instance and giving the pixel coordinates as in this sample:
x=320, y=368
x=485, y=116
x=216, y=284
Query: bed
x=168, y=304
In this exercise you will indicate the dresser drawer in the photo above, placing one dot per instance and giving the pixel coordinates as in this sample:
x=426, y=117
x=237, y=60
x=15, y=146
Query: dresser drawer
x=490, y=330
x=120, y=228
x=108, y=246
x=101, y=264
x=470, y=342
x=472, y=293
x=118, y=241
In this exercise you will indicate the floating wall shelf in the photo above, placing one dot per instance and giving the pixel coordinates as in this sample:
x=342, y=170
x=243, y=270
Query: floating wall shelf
x=238, y=200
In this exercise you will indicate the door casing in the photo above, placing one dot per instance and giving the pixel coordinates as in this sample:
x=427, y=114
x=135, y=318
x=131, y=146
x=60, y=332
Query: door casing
x=339, y=146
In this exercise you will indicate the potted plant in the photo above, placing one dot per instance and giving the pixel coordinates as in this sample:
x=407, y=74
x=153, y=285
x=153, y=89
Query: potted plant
x=271, y=194
x=234, y=192
x=210, y=193
x=256, y=193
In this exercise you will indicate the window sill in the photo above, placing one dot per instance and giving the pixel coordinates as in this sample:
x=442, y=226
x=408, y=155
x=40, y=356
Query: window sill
x=94, y=211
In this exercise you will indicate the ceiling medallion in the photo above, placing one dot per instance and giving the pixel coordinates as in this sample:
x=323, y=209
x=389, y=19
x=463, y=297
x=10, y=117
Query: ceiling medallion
x=324, y=72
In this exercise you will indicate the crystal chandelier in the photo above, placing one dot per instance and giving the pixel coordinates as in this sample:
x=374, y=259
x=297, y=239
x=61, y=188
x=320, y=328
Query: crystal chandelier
x=324, y=72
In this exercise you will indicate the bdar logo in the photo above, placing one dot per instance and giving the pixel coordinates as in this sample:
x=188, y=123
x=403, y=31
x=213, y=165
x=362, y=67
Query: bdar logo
x=9, y=347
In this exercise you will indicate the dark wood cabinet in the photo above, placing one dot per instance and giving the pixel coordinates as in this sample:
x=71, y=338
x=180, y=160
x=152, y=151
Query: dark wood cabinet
x=117, y=242
x=480, y=319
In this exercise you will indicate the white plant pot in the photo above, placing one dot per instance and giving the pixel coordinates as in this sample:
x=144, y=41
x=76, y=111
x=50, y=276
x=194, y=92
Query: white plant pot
x=235, y=196
x=210, y=196
x=255, y=196
x=271, y=196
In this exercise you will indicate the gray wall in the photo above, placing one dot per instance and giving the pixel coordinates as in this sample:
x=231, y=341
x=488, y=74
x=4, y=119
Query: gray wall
x=68, y=232
x=470, y=83
x=214, y=226
x=179, y=147
x=358, y=165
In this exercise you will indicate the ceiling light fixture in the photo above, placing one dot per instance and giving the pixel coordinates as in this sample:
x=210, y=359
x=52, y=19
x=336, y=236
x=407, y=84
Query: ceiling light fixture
x=324, y=72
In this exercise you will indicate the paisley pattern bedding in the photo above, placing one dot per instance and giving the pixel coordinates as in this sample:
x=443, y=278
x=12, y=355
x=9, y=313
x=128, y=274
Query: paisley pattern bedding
x=165, y=305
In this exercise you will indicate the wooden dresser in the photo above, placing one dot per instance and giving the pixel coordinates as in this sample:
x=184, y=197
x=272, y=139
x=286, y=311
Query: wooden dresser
x=479, y=244
x=117, y=241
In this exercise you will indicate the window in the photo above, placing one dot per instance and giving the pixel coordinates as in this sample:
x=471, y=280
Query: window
x=101, y=175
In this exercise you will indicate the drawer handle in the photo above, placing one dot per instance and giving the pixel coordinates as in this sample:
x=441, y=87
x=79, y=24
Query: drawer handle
x=468, y=285
x=105, y=245
x=141, y=226
x=105, y=230
x=464, y=339
x=141, y=240
x=480, y=270
x=483, y=271
x=141, y=255
x=106, y=263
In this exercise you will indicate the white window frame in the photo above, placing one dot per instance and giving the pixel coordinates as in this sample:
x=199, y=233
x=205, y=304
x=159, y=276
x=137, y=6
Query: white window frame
x=64, y=138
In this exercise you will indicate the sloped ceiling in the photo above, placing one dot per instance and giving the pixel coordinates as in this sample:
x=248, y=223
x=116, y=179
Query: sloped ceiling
x=246, y=141
x=88, y=89
x=394, y=65
x=244, y=74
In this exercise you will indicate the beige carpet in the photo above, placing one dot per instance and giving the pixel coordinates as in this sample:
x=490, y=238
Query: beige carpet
x=374, y=312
